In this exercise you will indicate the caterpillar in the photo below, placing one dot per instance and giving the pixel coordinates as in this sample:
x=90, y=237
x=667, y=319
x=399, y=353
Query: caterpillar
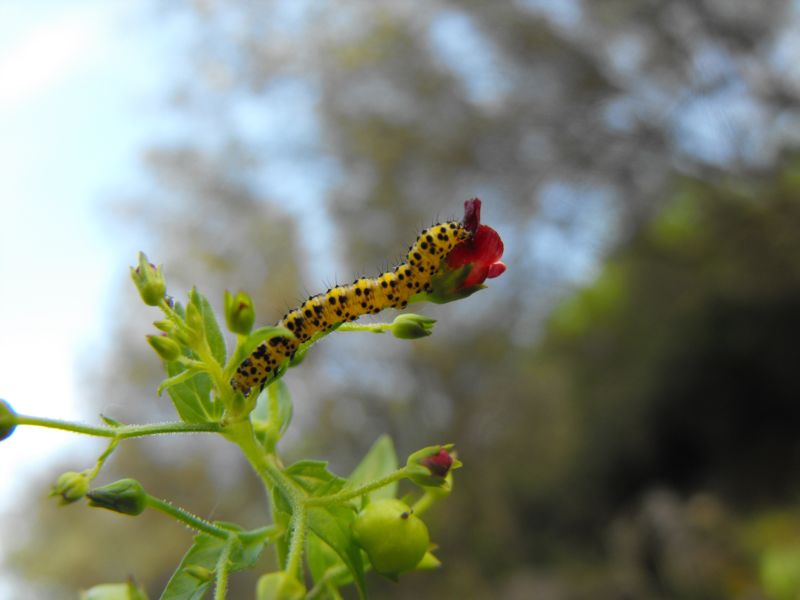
x=339, y=304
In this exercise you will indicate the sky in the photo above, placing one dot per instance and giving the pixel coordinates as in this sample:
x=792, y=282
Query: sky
x=79, y=86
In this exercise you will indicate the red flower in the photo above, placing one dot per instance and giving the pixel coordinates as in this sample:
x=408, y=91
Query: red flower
x=482, y=251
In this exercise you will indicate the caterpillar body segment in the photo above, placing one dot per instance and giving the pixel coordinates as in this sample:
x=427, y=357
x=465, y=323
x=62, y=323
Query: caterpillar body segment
x=340, y=304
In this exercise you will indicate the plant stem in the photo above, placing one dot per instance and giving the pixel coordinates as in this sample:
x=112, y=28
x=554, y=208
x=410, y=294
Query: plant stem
x=424, y=503
x=121, y=432
x=294, y=565
x=103, y=457
x=372, y=327
x=223, y=564
x=346, y=494
x=186, y=517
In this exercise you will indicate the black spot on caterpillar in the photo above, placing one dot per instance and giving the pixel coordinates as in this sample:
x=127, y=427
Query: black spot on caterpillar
x=340, y=304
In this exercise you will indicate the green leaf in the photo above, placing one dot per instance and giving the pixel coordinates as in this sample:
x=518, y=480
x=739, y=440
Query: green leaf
x=192, y=397
x=324, y=563
x=333, y=525
x=203, y=556
x=213, y=333
x=315, y=478
x=378, y=462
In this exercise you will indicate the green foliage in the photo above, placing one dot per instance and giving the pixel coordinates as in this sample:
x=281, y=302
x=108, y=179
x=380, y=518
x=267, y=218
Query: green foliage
x=196, y=572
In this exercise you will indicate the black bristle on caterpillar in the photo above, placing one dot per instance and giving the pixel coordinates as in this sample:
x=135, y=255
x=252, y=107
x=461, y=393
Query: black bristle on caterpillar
x=340, y=304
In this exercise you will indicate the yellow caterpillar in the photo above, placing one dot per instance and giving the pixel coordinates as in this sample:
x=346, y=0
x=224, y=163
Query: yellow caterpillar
x=346, y=303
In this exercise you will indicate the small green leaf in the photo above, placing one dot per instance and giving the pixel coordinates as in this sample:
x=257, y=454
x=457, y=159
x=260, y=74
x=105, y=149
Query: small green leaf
x=182, y=376
x=192, y=397
x=324, y=563
x=333, y=525
x=378, y=462
x=109, y=421
x=204, y=554
x=315, y=478
x=210, y=326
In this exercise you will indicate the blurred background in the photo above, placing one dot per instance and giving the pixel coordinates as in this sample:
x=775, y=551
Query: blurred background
x=625, y=398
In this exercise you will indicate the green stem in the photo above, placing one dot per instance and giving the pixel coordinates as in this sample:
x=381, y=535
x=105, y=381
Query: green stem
x=187, y=518
x=346, y=494
x=267, y=466
x=424, y=503
x=121, y=432
x=372, y=327
x=268, y=532
x=103, y=457
x=297, y=542
x=223, y=565
x=322, y=585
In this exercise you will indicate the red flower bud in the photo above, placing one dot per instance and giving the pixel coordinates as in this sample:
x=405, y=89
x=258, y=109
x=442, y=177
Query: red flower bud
x=439, y=464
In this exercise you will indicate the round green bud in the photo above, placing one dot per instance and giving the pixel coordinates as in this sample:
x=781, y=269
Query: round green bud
x=125, y=496
x=411, y=327
x=7, y=420
x=166, y=348
x=149, y=281
x=239, y=312
x=394, y=538
x=279, y=586
x=71, y=486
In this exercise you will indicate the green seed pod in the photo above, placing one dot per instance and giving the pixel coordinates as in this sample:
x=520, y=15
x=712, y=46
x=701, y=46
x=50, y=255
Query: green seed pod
x=394, y=538
x=125, y=496
x=7, y=420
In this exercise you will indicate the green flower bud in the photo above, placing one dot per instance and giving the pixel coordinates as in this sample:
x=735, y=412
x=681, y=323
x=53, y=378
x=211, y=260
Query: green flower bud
x=412, y=327
x=125, y=496
x=166, y=348
x=279, y=586
x=194, y=319
x=431, y=466
x=394, y=538
x=239, y=312
x=149, y=281
x=7, y=420
x=166, y=326
x=71, y=486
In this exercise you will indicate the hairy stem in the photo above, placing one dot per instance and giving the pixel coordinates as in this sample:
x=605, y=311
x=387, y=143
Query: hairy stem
x=222, y=568
x=122, y=432
x=184, y=516
x=346, y=494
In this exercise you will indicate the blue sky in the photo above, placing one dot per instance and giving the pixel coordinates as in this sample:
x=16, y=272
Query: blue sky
x=80, y=83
